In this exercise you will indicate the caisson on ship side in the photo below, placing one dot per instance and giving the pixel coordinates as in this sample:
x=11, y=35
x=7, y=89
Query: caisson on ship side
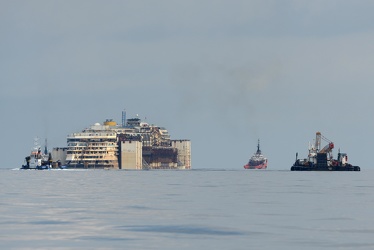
x=322, y=159
x=257, y=161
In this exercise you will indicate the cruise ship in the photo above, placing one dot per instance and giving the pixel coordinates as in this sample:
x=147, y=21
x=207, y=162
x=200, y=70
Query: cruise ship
x=132, y=145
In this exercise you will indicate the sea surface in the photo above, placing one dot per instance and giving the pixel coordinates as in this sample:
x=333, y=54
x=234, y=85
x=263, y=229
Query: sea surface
x=193, y=209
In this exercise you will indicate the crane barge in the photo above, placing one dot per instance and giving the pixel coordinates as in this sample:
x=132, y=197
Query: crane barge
x=322, y=159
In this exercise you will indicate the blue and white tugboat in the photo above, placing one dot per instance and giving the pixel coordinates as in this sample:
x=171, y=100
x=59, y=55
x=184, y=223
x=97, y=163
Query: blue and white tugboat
x=37, y=159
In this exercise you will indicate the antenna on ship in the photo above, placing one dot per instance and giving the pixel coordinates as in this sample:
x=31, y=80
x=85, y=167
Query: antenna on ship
x=45, y=147
x=258, y=147
x=36, y=143
x=124, y=118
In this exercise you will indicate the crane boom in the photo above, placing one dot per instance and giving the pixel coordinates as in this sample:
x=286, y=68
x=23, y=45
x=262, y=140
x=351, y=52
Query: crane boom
x=328, y=148
x=325, y=149
x=318, y=140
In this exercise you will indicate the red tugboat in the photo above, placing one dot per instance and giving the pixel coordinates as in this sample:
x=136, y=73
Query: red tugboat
x=257, y=161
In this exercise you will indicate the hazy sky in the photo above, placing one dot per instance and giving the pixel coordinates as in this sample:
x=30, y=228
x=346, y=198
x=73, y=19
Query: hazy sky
x=221, y=73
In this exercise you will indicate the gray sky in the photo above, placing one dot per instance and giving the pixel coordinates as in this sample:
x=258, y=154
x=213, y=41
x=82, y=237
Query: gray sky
x=221, y=73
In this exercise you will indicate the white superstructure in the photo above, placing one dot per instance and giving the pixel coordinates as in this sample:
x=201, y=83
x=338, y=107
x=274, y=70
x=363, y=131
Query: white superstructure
x=95, y=146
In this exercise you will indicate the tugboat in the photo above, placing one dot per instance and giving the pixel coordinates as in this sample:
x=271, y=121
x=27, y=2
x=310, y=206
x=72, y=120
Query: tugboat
x=37, y=159
x=322, y=159
x=257, y=161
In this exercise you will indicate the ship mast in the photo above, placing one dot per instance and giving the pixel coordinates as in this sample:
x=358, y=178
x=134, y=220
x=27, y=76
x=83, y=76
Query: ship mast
x=45, y=147
x=258, y=147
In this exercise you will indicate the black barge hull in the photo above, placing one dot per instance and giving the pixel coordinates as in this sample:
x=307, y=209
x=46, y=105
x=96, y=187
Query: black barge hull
x=325, y=168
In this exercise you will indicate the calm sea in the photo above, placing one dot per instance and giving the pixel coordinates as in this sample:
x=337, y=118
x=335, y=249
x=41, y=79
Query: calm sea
x=195, y=209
